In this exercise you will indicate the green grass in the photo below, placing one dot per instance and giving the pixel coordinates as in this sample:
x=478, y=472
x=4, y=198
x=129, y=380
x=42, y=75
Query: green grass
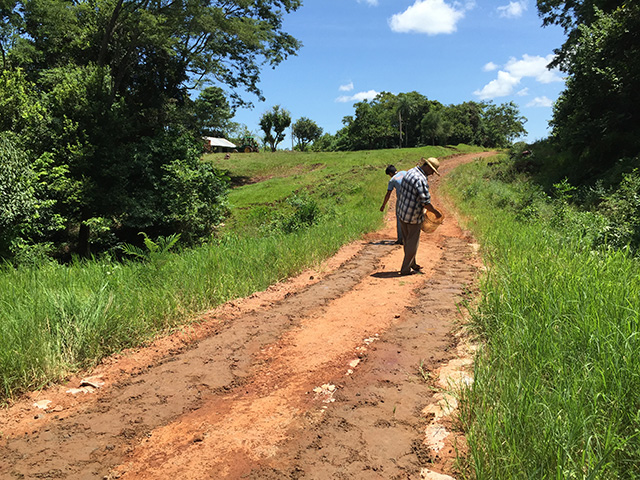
x=557, y=382
x=56, y=319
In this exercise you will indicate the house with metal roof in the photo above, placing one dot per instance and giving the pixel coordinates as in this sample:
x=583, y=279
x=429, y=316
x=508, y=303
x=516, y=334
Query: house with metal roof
x=218, y=145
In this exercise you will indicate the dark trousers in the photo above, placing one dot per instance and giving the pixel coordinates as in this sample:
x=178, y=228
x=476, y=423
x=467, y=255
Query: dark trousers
x=398, y=229
x=411, y=239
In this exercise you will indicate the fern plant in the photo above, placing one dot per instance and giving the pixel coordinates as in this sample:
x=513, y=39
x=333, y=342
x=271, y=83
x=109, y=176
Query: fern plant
x=153, y=251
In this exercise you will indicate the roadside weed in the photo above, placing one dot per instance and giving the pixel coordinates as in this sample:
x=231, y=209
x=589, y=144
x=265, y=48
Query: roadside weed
x=424, y=373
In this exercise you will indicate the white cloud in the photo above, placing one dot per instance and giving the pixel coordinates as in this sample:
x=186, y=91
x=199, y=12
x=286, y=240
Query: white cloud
x=514, y=71
x=430, y=16
x=500, y=87
x=358, y=97
x=523, y=93
x=513, y=10
x=540, y=102
x=489, y=67
x=534, y=66
x=346, y=88
x=369, y=2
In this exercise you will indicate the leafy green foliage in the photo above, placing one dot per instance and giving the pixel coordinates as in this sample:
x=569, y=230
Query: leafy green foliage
x=325, y=143
x=304, y=213
x=97, y=94
x=212, y=113
x=622, y=210
x=154, y=251
x=434, y=127
x=596, y=120
x=502, y=124
x=18, y=204
x=570, y=14
x=306, y=131
x=410, y=119
x=273, y=123
x=195, y=197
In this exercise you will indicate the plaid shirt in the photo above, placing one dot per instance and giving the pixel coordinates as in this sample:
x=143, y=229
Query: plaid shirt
x=413, y=195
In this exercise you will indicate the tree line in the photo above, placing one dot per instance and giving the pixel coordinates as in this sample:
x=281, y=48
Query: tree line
x=404, y=120
x=411, y=119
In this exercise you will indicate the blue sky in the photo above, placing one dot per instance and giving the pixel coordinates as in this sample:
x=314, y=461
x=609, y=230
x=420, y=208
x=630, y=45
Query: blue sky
x=449, y=51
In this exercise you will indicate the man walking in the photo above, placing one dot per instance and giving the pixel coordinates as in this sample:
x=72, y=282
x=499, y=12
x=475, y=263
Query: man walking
x=413, y=198
x=394, y=183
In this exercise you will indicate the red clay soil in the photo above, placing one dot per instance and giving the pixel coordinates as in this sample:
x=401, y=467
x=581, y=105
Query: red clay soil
x=334, y=374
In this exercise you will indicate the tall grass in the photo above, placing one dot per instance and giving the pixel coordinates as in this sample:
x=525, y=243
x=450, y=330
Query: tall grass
x=557, y=382
x=55, y=319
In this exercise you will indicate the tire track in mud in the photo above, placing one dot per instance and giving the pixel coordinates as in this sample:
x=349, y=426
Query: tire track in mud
x=376, y=427
x=321, y=384
x=98, y=437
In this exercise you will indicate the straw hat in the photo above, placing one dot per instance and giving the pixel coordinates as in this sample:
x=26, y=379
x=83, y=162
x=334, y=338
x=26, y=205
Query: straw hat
x=433, y=162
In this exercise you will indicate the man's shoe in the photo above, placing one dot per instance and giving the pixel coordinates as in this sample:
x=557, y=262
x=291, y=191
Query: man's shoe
x=398, y=242
x=416, y=267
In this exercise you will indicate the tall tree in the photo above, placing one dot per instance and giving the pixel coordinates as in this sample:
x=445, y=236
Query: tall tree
x=212, y=113
x=113, y=77
x=502, y=124
x=596, y=118
x=273, y=123
x=570, y=14
x=466, y=120
x=306, y=131
x=410, y=107
x=435, y=129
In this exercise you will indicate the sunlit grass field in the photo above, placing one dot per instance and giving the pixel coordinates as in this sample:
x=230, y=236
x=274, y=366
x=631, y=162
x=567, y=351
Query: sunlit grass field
x=295, y=210
x=557, y=379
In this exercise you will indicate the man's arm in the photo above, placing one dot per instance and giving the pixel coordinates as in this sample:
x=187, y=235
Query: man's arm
x=432, y=209
x=386, y=199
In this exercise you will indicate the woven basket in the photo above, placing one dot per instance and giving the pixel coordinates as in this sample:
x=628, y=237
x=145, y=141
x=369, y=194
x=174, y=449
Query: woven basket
x=431, y=222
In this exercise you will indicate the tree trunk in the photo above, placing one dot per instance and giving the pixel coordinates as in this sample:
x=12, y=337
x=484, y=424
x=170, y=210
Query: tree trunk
x=83, y=240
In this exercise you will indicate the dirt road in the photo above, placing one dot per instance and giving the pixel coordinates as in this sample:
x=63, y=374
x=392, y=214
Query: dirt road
x=335, y=374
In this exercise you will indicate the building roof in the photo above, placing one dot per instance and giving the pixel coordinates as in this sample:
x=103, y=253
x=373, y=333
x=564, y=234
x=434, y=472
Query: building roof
x=219, y=142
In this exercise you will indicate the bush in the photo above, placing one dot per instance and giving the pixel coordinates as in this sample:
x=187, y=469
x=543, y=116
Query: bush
x=622, y=209
x=175, y=192
x=303, y=213
x=17, y=200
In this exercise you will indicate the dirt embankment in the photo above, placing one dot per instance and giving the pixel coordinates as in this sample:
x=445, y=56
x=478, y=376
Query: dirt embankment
x=340, y=372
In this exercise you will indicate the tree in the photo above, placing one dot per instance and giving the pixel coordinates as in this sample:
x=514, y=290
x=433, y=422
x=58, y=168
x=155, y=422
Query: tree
x=326, y=143
x=112, y=78
x=212, y=113
x=596, y=118
x=306, y=131
x=410, y=107
x=18, y=204
x=466, y=123
x=273, y=123
x=570, y=14
x=373, y=125
x=434, y=127
x=502, y=124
